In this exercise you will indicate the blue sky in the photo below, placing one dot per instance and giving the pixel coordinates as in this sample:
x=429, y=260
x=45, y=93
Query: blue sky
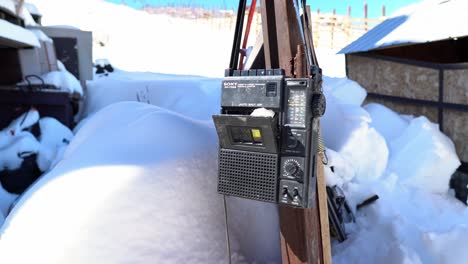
x=341, y=6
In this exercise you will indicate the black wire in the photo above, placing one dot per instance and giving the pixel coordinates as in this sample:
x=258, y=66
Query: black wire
x=25, y=116
x=28, y=77
x=227, y=230
x=237, y=35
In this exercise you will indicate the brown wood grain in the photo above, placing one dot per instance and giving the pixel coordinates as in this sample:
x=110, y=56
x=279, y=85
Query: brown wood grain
x=270, y=42
x=301, y=229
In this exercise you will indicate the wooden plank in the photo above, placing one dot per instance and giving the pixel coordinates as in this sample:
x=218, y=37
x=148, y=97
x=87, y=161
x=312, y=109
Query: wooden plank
x=305, y=235
x=19, y=7
x=323, y=210
x=288, y=33
x=267, y=11
x=301, y=229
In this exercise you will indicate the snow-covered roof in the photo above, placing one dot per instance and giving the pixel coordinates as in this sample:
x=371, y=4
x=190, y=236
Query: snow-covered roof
x=32, y=9
x=16, y=36
x=8, y=6
x=427, y=21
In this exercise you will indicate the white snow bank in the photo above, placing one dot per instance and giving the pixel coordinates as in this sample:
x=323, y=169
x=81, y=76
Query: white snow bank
x=387, y=122
x=423, y=157
x=191, y=96
x=137, y=184
x=17, y=34
x=24, y=121
x=415, y=220
x=16, y=143
x=405, y=226
x=54, y=139
x=332, y=64
x=200, y=47
x=346, y=129
x=22, y=146
x=344, y=90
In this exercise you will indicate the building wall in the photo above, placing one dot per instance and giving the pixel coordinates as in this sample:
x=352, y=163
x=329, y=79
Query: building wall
x=420, y=81
x=396, y=79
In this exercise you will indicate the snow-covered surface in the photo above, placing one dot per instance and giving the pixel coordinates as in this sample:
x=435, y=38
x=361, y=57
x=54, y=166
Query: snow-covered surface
x=32, y=9
x=162, y=43
x=192, y=95
x=427, y=21
x=8, y=5
x=61, y=79
x=332, y=64
x=28, y=19
x=137, y=184
x=16, y=142
x=41, y=35
x=53, y=140
x=134, y=160
x=408, y=163
x=18, y=34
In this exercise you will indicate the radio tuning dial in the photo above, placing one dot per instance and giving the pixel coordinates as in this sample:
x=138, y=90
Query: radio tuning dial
x=291, y=167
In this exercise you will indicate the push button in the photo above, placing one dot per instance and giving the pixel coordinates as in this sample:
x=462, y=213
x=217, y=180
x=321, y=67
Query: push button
x=271, y=89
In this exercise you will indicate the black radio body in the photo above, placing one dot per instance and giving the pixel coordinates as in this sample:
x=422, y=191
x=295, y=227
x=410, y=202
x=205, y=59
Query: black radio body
x=269, y=158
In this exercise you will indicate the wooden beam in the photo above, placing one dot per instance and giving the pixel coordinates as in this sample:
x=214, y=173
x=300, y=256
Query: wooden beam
x=19, y=7
x=270, y=41
x=304, y=232
x=288, y=34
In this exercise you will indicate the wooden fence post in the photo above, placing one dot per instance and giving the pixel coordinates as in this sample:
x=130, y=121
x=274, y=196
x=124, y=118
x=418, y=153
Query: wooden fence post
x=304, y=232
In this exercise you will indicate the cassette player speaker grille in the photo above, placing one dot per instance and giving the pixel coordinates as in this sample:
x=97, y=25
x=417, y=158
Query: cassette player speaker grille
x=250, y=175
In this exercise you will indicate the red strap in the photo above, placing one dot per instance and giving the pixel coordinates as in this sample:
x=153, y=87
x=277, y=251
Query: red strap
x=243, y=50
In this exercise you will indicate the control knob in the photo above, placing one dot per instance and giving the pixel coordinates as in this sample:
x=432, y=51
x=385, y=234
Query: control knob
x=291, y=167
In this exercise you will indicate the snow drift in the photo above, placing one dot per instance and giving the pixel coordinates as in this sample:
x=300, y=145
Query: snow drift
x=137, y=184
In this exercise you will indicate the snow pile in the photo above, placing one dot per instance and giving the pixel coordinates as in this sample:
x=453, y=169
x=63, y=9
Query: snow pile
x=332, y=64
x=53, y=140
x=137, y=184
x=16, y=142
x=408, y=162
x=387, y=122
x=63, y=80
x=375, y=141
x=164, y=44
x=434, y=152
x=192, y=96
x=346, y=130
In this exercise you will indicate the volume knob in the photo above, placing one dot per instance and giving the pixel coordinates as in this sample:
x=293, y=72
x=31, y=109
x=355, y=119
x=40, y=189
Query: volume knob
x=291, y=167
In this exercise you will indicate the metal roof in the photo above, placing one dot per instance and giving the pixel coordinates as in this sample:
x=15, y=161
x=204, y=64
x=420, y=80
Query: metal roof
x=428, y=21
